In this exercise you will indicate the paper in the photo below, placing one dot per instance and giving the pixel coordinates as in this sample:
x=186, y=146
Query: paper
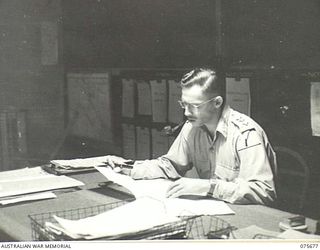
x=294, y=234
x=315, y=108
x=128, y=141
x=160, y=143
x=157, y=189
x=253, y=231
x=144, y=98
x=29, y=197
x=81, y=162
x=32, y=180
x=139, y=215
x=89, y=106
x=187, y=207
x=159, y=100
x=238, y=94
x=143, y=143
x=128, y=98
x=175, y=113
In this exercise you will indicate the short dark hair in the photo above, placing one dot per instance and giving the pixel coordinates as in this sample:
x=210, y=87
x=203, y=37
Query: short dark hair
x=209, y=79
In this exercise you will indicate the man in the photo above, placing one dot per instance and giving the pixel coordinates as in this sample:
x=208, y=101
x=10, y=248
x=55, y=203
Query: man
x=231, y=153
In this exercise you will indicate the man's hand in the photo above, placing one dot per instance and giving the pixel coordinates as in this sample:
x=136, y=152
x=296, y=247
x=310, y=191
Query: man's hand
x=116, y=161
x=188, y=186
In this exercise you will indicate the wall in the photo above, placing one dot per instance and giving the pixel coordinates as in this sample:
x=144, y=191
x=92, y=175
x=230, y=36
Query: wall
x=24, y=82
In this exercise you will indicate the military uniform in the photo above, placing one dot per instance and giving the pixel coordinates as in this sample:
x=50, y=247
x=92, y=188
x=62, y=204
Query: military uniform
x=238, y=160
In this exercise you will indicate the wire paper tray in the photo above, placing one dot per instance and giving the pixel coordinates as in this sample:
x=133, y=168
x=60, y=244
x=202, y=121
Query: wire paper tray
x=190, y=227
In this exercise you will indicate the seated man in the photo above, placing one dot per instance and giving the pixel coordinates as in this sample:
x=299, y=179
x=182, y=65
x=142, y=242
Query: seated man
x=231, y=153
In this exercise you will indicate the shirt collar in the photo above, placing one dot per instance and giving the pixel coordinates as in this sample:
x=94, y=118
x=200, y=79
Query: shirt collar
x=222, y=126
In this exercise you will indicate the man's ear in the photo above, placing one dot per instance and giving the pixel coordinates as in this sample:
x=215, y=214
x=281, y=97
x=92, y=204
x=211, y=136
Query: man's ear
x=218, y=101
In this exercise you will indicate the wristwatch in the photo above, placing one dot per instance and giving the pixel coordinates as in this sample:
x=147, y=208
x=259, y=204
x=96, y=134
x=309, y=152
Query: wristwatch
x=212, y=186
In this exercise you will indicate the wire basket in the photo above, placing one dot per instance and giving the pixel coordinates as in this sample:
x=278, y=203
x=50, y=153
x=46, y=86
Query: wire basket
x=190, y=227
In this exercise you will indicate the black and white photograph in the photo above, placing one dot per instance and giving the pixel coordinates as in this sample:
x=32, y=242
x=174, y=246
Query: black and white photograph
x=159, y=123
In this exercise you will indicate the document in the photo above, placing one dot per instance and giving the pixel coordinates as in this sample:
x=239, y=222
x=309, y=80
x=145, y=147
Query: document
x=144, y=98
x=90, y=162
x=157, y=189
x=159, y=100
x=28, y=197
x=129, y=141
x=131, y=218
x=32, y=180
x=315, y=108
x=238, y=94
x=160, y=143
x=175, y=113
x=143, y=149
x=128, y=94
x=294, y=234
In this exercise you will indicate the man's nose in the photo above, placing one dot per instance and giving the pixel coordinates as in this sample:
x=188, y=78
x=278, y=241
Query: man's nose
x=187, y=111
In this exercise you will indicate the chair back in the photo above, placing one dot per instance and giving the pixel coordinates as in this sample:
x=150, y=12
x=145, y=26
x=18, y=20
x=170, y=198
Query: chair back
x=292, y=180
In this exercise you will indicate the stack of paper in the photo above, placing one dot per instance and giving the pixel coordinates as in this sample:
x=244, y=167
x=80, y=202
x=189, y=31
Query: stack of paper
x=157, y=189
x=32, y=180
x=141, y=219
x=80, y=163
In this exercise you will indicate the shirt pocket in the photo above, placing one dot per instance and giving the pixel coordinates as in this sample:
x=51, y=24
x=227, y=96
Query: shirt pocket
x=226, y=172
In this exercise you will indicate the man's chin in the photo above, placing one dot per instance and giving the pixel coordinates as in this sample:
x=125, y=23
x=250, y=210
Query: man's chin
x=195, y=123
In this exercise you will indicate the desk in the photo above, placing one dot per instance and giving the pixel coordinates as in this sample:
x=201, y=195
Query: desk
x=15, y=224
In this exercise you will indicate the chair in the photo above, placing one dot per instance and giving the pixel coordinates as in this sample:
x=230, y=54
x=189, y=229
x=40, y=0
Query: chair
x=293, y=180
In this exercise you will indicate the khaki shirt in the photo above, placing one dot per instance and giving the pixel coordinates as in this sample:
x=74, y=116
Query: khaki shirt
x=239, y=159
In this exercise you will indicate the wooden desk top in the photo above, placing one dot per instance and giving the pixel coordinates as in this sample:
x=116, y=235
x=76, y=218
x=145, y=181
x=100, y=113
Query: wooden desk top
x=15, y=223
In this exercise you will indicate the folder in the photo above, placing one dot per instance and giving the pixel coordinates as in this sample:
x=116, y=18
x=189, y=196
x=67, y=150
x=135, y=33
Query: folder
x=159, y=100
x=144, y=98
x=175, y=113
x=128, y=141
x=160, y=143
x=238, y=94
x=143, y=143
x=128, y=93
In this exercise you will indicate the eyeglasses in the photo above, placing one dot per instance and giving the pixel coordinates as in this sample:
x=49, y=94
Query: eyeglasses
x=194, y=106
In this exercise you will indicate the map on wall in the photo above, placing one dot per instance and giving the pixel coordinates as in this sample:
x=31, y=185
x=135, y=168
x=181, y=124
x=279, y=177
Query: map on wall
x=89, y=106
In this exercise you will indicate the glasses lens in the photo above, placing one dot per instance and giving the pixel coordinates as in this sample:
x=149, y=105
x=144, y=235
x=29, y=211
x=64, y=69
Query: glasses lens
x=182, y=104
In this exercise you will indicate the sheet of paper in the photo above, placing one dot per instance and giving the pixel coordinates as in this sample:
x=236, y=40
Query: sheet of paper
x=159, y=100
x=144, y=142
x=157, y=189
x=29, y=197
x=139, y=188
x=175, y=113
x=144, y=98
x=132, y=217
x=315, y=108
x=253, y=231
x=128, y=98
x=160, y=143
x=32, y=180
x=294, y=234
x=186, y=207
x=129, y=141
x=81, y=162
x=238, y=94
